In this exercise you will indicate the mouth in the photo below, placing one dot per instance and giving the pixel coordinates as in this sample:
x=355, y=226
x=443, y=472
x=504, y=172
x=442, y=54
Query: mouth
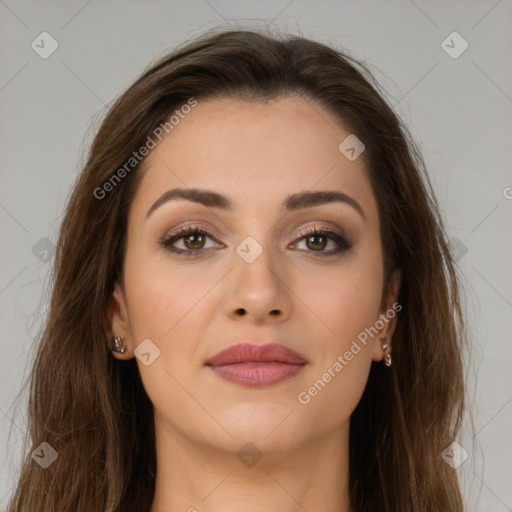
x=251, y=365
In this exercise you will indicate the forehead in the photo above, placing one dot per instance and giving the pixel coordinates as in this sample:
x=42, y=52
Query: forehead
x=255, y=152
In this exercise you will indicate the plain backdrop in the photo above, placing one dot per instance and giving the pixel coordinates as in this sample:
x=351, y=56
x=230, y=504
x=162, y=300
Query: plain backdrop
x=458, y=105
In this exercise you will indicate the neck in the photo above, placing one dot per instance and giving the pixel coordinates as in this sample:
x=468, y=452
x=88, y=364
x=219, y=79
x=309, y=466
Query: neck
x=196, y=477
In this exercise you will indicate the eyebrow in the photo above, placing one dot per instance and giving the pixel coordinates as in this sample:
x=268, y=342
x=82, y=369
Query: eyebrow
x=293, y=202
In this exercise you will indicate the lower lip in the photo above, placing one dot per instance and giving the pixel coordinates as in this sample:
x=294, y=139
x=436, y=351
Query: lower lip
x=255, y=375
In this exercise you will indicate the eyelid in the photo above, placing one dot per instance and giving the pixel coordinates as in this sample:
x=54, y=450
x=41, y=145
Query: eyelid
x=316, y=228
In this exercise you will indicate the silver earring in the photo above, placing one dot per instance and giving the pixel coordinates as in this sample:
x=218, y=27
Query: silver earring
x=387, y=348
x=118, y=345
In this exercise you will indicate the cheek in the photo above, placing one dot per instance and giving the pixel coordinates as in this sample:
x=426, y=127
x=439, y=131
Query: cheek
x=166, y=307
x=334, y=391
x=337, y=379
x=160, y=307
x=342, y=299
x=347, y=302
x=163, y=297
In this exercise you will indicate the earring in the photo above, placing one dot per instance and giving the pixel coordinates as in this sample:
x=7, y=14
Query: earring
x=387, y=348
x=118, y=345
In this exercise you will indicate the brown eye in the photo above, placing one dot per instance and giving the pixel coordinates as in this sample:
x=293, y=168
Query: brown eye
x=194, y=241
x=313, y=242
x=317, y=240
x=192, y=238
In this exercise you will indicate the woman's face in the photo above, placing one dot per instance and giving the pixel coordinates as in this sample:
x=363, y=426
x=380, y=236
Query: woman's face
x=255, y=275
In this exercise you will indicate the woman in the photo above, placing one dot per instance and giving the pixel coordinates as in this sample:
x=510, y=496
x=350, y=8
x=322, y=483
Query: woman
x=254, y=305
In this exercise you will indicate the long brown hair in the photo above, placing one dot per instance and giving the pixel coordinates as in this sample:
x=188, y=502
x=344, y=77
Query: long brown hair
x=93, y=410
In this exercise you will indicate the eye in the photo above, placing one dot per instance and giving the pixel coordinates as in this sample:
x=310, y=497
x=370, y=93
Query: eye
x=316, y=240
x=193, y=239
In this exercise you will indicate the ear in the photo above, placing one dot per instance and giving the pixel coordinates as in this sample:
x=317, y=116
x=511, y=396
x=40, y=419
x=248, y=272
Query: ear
x=386, y=323
x=118, y=323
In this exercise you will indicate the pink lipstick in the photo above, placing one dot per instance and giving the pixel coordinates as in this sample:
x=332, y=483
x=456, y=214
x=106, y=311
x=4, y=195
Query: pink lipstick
x=256, y=365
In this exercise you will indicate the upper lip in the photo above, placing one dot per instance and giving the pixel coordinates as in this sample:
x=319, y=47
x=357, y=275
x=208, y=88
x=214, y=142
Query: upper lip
x=248, y=352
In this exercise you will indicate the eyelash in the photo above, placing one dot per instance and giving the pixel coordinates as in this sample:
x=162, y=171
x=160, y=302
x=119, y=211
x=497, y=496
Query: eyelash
x=330, y=233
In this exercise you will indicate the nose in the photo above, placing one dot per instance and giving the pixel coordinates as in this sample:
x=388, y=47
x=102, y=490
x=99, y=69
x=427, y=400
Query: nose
x=258, y=291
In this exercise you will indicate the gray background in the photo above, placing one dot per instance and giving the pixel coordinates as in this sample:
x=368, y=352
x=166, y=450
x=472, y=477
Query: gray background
x=459, y=110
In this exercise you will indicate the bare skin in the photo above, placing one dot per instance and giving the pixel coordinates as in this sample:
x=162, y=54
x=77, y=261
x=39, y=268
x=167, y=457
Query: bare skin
x=192, y=307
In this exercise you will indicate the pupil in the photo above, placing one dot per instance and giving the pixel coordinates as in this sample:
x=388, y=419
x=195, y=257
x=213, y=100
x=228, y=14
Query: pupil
x=316, y=245
x=192, y=237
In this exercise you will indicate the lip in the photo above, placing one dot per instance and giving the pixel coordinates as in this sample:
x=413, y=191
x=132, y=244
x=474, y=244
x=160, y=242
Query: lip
x=252, y=365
